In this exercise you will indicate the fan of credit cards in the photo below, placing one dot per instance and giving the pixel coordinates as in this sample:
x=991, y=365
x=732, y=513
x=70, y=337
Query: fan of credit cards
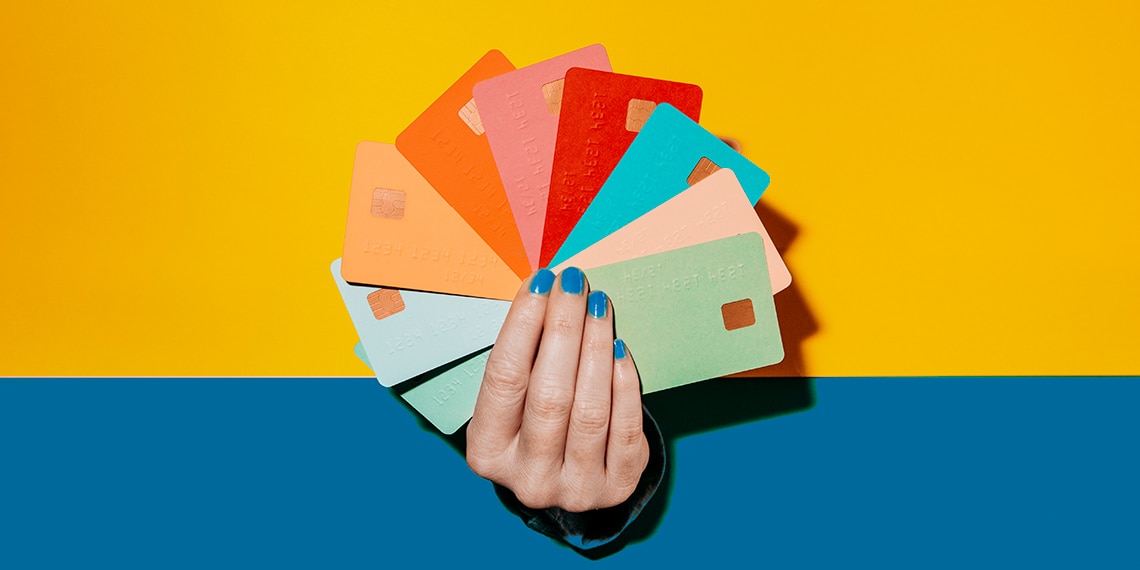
x=561, y=163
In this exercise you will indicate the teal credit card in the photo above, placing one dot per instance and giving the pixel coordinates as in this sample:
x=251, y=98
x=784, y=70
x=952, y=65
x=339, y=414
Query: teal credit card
x=670, y=154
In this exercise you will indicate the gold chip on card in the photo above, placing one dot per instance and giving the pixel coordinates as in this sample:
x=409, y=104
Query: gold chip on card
x=638, y=112
x=385, y=303
x=702, y=170
x=738, y=314
x=552, y=92
x=470, y=116
x=388, y=203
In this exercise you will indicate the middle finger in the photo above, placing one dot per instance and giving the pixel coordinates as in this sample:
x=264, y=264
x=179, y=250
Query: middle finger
x=550, y=394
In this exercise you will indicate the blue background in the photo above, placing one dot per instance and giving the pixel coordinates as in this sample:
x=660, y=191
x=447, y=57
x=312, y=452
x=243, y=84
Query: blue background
x=337, y=473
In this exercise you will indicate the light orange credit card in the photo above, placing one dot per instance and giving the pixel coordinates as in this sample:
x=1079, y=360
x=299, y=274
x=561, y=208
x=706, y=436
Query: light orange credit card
x=448, y=146
x=402, y=234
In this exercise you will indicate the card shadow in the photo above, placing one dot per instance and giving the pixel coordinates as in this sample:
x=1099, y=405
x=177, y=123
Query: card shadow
x=458, y=440
x=750, y=396
x=746, y=397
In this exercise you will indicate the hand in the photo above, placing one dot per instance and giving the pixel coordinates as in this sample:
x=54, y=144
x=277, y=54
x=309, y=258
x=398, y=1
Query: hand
x=558, y=418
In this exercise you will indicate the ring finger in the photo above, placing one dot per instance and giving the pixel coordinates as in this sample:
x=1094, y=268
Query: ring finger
x=590, y=417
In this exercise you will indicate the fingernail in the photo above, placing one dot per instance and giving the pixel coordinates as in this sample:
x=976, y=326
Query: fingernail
x=597, y=304
x=542, y=282
x=573, y=281
x=619, y=349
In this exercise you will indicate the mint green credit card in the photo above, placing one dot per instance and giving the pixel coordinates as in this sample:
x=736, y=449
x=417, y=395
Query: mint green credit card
x=445, y=396
x=694, y=313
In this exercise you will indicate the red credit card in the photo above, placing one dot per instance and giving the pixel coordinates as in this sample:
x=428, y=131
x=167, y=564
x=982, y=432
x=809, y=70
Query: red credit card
x=601, y=114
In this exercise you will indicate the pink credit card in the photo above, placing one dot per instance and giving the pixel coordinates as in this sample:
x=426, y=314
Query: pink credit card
x=712, y=209
x=519, y=110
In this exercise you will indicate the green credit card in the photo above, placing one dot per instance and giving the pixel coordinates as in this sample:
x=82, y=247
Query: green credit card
x=694, y=313
x=444, y=396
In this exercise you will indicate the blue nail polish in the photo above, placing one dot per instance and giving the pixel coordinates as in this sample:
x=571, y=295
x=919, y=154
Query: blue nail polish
x=619, y=349
x=542, y=282
x=597, y=304
x=573, y=281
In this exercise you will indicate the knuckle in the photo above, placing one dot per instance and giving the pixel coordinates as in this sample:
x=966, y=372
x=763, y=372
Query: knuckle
x=620, y=493
x=531, y=319
x=625, y=481
x=582, y=490
x=505, y=380
x=580, y=458
x=481, y=465
x=537, y=473
x=486, y=462
x=562, y=324
x=626, y=435
x=535, y=497
x=550, y=404
x=629, y=469
x=587, y=467
x=527, y=497
x=481, y=446
x=642, y=456
x=578, y=503
x=590, y=417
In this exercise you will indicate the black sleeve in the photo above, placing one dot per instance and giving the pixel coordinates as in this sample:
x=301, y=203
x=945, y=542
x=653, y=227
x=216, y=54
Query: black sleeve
x=592, y=529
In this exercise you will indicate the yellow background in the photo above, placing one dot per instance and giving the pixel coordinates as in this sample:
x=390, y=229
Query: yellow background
x=961, y=177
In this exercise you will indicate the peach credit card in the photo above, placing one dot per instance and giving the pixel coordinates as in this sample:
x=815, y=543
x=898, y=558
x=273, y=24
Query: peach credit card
x=447, y=144
x=520, y=114
x=402, y=234
x=714, y=208
x=601, y=114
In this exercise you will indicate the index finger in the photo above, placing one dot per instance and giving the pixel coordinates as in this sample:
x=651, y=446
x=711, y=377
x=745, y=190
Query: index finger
x=499, y=406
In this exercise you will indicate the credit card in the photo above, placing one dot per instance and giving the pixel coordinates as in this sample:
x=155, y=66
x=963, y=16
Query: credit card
x=688, y=315
x=694, y=313
x=670, y=154
x=401, y=234
x=447, y=144
x=445, y=396
x=601, y=114
x=520, y=114
x=712, y=209
x=407, y=333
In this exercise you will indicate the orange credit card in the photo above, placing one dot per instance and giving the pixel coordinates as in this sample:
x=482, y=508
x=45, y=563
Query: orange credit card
x=402, y=234
x=448, y=146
